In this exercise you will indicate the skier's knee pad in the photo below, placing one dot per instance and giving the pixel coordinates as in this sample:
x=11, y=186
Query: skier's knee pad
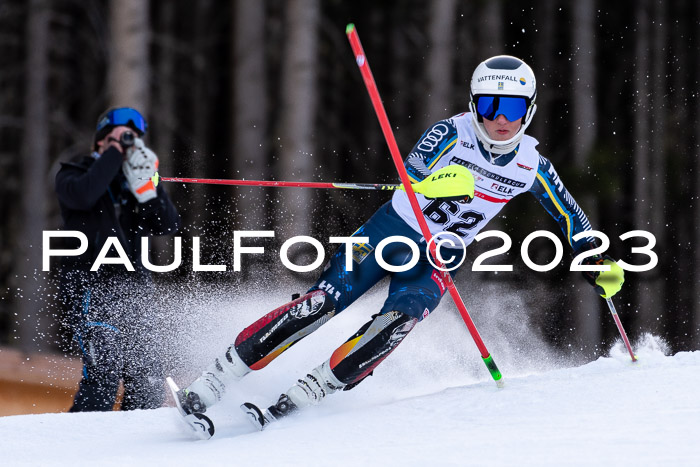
x=264, y=340
x=416, y=303
x=359, y=356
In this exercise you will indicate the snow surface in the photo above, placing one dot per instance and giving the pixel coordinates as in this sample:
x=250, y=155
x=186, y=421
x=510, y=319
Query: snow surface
x=431, y=403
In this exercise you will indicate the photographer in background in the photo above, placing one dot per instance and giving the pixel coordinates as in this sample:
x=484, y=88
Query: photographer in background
x=109, y=193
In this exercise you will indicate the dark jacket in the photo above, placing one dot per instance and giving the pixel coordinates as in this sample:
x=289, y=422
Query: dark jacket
x=95, y=199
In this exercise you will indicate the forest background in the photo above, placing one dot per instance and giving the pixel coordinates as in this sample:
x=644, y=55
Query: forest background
x=269, y=90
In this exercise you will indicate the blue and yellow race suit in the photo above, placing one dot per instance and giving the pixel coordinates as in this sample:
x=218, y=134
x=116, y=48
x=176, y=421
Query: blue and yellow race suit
x=498, y=179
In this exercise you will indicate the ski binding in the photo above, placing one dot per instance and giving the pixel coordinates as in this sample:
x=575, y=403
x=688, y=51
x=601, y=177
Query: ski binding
x=202, y=425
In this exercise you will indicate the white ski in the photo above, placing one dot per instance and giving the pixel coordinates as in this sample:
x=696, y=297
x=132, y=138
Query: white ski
x=260, y=418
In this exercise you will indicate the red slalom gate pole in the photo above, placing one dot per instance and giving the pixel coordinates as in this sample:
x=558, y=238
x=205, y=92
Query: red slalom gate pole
x=371, y=86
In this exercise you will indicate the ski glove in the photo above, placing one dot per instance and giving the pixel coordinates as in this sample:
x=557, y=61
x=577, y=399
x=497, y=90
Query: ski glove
x=606, y=283
x=451, y=183
x=140, y=164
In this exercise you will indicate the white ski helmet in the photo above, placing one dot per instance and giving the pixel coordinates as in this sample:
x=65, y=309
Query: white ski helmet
x=502, y=85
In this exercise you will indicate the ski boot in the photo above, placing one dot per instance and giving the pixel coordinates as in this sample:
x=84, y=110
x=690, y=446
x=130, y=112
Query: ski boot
x=309, y=390
x=188, y=404
x=210, y=387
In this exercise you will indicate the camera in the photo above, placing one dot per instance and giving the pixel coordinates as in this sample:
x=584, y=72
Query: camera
x=127, y=139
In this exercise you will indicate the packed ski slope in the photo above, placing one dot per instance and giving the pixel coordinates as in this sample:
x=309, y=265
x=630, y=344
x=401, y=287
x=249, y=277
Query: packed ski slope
x=431, y=403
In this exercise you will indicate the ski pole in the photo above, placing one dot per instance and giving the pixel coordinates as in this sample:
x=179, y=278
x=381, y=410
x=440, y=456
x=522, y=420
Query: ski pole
x=424, y=186
x=371, y=86
x=618, y=323
x=274, y=183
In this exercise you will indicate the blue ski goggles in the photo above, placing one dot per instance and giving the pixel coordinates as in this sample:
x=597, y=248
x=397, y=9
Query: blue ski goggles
x=490, y=107
x=123, y=116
